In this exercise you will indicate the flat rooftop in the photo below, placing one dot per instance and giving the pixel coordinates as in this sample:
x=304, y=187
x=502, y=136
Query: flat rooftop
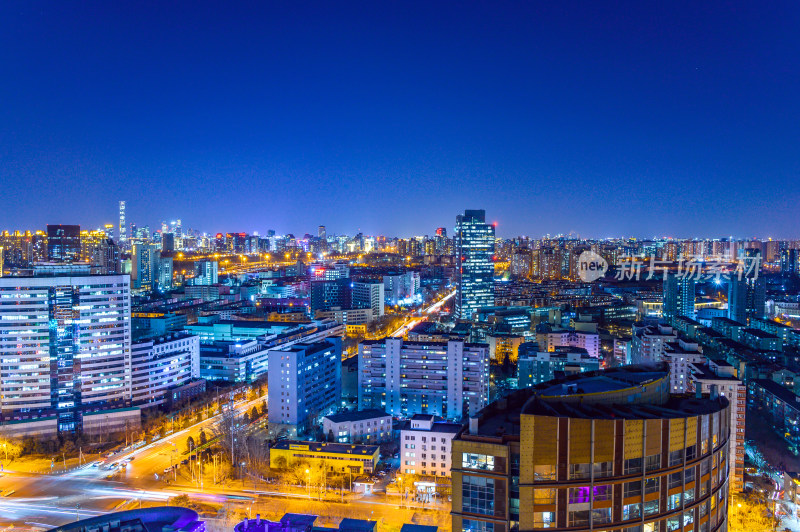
x=357, y=415
x=324, y=447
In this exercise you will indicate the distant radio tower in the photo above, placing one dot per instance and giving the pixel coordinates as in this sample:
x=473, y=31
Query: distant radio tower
x=123, y=236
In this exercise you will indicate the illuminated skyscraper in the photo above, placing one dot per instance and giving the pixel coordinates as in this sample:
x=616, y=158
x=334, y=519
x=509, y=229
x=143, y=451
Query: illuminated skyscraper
x=747, y=296
x=63, y=243
x=474, y=243
x=679, y=296
x=66, y=346
x=123, y=235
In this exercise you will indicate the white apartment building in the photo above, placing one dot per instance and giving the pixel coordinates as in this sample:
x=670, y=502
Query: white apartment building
x=425, y=446
x=406, y=378
x=647, y=343
x=162, y=363
x=720, y=377
x=65, y=345
x=680, y=356
x=359, y=426
x=590, y=341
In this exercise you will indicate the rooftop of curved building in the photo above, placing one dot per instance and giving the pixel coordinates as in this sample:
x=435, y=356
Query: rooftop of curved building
x=605, y=394
x=155, y=519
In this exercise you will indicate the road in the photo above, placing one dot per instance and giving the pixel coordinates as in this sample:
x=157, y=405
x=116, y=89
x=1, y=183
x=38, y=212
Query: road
x=414, y=321
x=51, y=500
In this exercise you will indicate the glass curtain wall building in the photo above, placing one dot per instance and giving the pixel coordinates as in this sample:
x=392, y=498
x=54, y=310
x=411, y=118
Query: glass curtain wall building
x=474, y=243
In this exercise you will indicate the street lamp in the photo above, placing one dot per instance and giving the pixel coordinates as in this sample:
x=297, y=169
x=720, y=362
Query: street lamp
x=308, y=482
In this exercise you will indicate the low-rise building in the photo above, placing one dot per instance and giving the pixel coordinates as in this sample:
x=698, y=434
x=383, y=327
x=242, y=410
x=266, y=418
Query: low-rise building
x=425, y=446
x=361, y=426
x=536, y=367
x=334, y=457
x=762, y=340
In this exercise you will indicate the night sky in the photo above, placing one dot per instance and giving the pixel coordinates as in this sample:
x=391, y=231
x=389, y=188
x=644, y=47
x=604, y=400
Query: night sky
x=638, y=118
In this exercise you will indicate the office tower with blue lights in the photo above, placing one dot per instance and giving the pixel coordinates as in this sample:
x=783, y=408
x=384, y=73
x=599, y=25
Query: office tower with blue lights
x=65, y=340
x=474, y=246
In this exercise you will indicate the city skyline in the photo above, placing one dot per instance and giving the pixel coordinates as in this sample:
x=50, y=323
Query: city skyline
x=312, y=228
x=638, y=120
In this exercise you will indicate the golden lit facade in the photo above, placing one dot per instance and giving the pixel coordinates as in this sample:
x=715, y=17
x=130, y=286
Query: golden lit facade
x=627, y=456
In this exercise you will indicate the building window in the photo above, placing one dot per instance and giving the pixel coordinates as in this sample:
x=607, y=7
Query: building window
x=601, y=516
x=544, y=472
x=477, y=495
x=632, y=489
x=650, y=507
x=601, y=492
x=579, y=495
x=579, y=518
x=652, y=485
x=602, y=469
x=652, y=462
x=580, y=471
x=471, y=525
x=544, y=496
x=544, y=519
x=676, y=457
x=477, y=461
x=676, y=480
x=631, y=511
x=674, y=501
x=633, y=466
x=673, y=523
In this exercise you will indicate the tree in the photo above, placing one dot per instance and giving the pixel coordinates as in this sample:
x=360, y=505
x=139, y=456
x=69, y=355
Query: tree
x=190, y=444
x=246, y=418
x=254, y=413
x=263, y=410
x=199, y=416
x=330, y=435
x=203, y=437
x=745, y=515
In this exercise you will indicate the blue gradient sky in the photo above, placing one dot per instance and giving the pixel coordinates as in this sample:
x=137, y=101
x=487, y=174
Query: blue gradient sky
x=637, y=118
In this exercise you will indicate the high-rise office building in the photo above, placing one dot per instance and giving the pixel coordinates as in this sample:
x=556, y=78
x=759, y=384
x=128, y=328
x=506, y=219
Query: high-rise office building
x=326, y=295
x=679, y=296
x=790, y=262
x=144, y=266
x=747, y=290
x=609, y=450
x=123, y=233
x=474, y=243
x=369, y=295
x=206, y=272
x=450, y=379
x=168, y=242
x=63, y=243
x=65, y=345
